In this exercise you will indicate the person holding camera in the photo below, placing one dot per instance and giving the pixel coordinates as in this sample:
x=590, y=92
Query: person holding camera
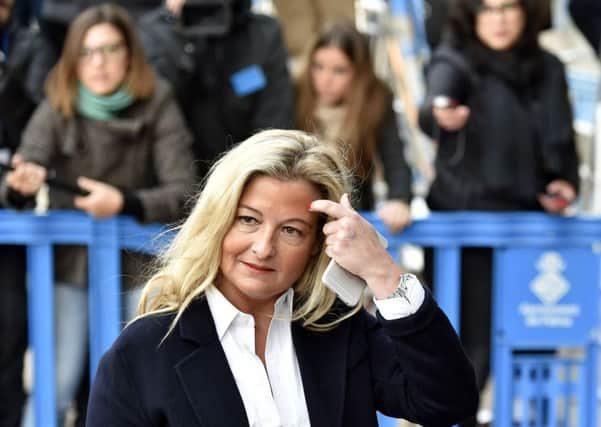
x=497, y=104
x=228, y=67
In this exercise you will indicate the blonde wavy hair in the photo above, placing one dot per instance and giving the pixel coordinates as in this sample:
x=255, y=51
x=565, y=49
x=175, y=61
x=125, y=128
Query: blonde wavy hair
x=191, y=262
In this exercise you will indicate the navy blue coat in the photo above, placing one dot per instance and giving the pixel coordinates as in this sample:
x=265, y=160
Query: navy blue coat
x=413, y=368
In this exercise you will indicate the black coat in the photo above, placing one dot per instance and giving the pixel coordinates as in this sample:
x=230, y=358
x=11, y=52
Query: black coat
x=413, y=368
x=518, y=137
x=202, y=69
x=17, y=77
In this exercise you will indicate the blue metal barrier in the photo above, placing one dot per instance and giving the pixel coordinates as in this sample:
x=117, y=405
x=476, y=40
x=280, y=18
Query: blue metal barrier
x=447, y=233
x=104, y=240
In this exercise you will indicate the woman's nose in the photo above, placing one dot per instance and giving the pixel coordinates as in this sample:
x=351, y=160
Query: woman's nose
x=263, y=246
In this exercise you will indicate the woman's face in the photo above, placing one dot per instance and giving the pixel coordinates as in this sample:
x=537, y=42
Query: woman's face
x=500, y=23
x=272, y=239
x=331, y=74
x=103, y=60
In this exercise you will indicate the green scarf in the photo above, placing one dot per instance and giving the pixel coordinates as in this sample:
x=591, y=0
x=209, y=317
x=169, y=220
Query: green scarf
x=100, y=107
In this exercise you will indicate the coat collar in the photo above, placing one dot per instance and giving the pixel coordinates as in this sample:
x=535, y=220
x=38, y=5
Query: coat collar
x=205, y=374
x=211, y=389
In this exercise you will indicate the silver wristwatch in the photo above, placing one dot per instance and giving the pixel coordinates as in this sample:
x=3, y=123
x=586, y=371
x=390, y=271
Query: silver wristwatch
x=402, y=289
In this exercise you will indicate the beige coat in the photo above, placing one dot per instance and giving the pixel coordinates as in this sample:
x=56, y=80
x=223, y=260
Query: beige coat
x=147, y=151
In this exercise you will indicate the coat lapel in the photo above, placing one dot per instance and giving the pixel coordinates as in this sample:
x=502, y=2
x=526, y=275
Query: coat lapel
x=205, y=374
x=322, y=357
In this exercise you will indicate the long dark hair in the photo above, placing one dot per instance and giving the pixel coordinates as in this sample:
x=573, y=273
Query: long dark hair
x=367, y=103
x=462, y=24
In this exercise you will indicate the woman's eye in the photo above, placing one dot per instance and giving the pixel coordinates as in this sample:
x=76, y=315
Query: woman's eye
x=291, y=231
x=247, y=220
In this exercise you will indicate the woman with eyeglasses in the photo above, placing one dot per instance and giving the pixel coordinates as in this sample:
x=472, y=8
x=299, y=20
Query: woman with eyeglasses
x=497, y=104
x=112, y=129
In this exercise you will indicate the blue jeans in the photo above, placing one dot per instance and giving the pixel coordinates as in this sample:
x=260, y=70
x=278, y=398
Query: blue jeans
x=71, y=344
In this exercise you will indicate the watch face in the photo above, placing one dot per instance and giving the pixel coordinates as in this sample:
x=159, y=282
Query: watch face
x=402, y=289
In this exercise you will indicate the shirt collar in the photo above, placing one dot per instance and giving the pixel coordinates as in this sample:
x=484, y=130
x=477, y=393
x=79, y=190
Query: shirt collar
x=224, y=312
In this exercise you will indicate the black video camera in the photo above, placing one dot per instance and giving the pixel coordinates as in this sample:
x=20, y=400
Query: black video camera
x=207, y=17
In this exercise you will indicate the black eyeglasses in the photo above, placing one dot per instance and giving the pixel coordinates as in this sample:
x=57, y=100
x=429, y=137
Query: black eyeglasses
x=108, y=50
x=503, y=8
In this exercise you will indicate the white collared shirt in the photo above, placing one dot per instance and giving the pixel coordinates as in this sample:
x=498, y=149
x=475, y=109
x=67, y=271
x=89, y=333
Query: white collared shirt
x=273, y=394
x=276, y=398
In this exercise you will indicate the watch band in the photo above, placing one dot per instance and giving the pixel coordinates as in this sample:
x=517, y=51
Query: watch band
x=402, y=289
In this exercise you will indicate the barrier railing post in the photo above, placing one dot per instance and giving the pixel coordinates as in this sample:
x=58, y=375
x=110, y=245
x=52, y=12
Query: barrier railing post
x=447, y=275
x=501, y=356
x=41, y=298
x=104, y=289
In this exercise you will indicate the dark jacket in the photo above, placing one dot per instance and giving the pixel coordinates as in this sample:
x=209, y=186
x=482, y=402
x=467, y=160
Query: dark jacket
x=17, y=100
x=145, y=152
x=517, y=139
x=204, y=72
x=413, y=368
x=397, y=175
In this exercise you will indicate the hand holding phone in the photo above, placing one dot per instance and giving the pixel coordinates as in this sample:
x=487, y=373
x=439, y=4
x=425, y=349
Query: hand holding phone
x=554, y=201
x=348, y=286
x=54, y=182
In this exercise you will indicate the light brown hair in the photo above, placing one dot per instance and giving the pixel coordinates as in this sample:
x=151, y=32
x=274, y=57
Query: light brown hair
x=61, y=84
x=367, y=103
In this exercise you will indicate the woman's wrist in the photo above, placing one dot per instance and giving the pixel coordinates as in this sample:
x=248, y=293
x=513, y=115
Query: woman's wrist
x=384, y=280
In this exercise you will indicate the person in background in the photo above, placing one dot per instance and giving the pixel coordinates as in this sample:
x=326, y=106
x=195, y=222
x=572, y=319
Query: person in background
x=587, y=17
x=236, y=327
x=302, y=17
x=228, y=67
x=340, y=99
x=497, y=104
x=113, y=129
x=19, y=42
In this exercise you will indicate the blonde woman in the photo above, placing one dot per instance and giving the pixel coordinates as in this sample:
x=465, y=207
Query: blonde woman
x=236, y=327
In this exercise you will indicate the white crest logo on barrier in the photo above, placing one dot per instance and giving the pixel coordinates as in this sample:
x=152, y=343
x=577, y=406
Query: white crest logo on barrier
x=550, y=286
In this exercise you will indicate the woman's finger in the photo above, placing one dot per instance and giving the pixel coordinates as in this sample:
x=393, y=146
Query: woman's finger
x=330, y=208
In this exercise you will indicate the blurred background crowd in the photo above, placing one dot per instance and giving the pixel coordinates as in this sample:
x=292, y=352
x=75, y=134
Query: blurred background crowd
x=438, y=105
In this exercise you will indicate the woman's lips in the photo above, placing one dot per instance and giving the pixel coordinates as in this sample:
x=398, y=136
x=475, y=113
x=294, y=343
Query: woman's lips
x=258, y=268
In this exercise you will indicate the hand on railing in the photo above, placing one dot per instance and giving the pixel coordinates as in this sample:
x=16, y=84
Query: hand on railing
x=559, y=195
x=104, y=200
x=395, y=214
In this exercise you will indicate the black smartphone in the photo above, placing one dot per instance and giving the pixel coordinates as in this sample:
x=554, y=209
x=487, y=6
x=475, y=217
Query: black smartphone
x=53, y=182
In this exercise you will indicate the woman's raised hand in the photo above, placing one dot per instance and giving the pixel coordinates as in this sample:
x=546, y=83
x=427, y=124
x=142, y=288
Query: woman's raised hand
x=27, y=177
x=104, y=200
x=354, y=244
